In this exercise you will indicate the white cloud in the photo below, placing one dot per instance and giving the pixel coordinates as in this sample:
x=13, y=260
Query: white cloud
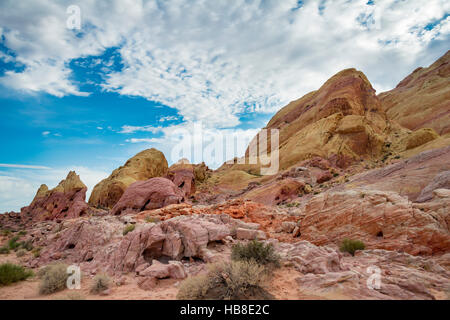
x=22, y=166
x=168, y=118
x=133, y=129
x=197, y=140
x=146, y=140
x=215, y=60
x=45, y=133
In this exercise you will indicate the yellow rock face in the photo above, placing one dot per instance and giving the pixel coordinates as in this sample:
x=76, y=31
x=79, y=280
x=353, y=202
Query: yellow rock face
x=419, y=137
x=422, y=99
x=71, y=183
x=343, y=120
x=147, y=164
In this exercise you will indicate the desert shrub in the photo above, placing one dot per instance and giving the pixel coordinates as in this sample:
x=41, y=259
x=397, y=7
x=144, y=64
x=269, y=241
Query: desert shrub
x=261, y=253
x=351, y=246
x=151, y=219
x=101, y=283
x=36, y=252
x=6, y=232
x=128, y=228
x=4, y=250
x=10, y=273
x=237, y=280
x=20, y=253
x=53, y=278
x=13, y=244
x=21, y=233
x=27, y=245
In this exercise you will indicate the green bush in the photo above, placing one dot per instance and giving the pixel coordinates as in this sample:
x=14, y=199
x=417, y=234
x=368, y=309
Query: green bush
x=21, y=233
x=150, y=219
x=20, y=253
x=128, y=228
x=237, y=280
x=13, y=244
x=6, y=232
x=27, y=245
x=101, y=283
x=36, y=252
x=53, y=278
x=4, y=250
x=351, y=246
x=261, y=253
x=10, y=273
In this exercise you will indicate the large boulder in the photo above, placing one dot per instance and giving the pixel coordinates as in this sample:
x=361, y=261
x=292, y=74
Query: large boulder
x=65, y=201
x=186, y=175
x=146, y=195
x=147, y=164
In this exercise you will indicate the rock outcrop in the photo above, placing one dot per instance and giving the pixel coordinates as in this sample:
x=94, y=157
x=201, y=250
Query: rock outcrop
x=370, y=274
x=65, y=201
x=382, y=220
x=422, y=99
x=343, y=121
x=146, y=195
x=147, y=164
x=277, y=192
x=186, y=176
x=407, y=177
x=441, y=180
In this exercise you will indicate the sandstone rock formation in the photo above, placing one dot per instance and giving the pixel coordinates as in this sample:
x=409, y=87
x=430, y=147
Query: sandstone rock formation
x=147, y=164
x=329, y=274
x=67, y=200
x=146, y=195
x=382, y=220
x=186, y=176
x=441, y=180
x=276, y=192
x=422, y=99
x=407, y=177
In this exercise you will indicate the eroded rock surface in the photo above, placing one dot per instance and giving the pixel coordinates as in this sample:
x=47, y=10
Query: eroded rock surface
x=146, y=164
x=65, y=201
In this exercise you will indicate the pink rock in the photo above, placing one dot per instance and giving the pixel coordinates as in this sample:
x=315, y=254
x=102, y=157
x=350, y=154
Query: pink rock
x=249, y=234
x=147, y=283
x=184, y=179
x=440, y=181
x=381, y=220
x=146, y=195
x=66, y=201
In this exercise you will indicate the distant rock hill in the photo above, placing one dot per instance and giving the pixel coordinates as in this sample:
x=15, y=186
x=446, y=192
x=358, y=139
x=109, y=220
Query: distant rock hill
x=65, y=201
x=422, y=99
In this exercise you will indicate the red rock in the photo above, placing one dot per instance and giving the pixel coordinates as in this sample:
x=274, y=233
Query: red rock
x=276, y=192
x=66, y=201
x=382, y=220
x=323, y=176
x=440, y=181
x=146, y=195
x=407, y=177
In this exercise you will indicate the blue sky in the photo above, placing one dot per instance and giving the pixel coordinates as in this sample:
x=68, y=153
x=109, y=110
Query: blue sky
x=137, y=71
